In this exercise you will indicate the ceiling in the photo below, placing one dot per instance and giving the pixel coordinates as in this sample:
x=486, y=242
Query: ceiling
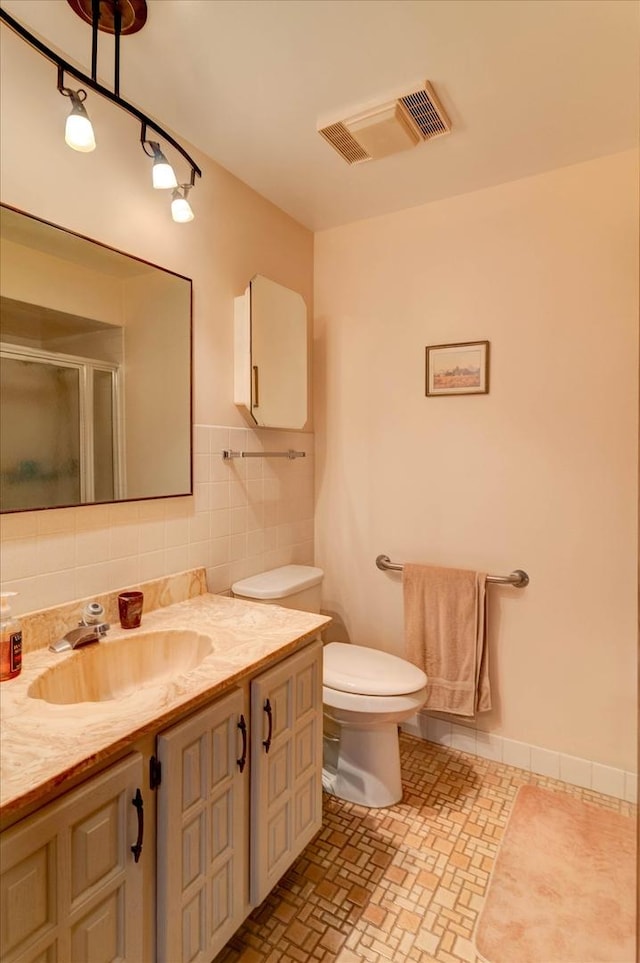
x=529, y=85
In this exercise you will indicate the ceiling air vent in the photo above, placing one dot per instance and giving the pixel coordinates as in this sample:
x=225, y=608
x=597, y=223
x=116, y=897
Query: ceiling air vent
x=427, y=113
x=346, y=145
x=389, y=128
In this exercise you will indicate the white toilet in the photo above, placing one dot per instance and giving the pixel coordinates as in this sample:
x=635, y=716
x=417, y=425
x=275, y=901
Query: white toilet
x=366, y=694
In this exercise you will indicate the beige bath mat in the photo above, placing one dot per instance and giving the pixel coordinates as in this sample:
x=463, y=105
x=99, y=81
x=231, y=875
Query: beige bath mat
x=563, y=886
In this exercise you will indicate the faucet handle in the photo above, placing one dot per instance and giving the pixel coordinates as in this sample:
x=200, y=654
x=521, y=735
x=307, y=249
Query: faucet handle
x=92, y=614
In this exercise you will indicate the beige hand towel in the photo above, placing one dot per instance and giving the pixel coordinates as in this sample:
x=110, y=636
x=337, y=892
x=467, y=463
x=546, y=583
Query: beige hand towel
x=444, y=618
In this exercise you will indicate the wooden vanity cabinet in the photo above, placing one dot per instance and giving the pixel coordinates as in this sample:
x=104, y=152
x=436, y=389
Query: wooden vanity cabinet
x=71, y=889
x=240, y=796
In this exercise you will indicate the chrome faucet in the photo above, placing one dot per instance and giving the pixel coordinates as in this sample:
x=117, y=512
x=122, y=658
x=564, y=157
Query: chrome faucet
x=89, y=630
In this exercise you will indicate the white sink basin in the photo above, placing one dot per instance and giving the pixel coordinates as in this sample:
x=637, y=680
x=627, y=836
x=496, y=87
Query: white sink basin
x=115, y=668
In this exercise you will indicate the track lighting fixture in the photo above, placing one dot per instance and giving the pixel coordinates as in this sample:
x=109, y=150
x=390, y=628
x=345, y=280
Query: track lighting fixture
x=119, y=18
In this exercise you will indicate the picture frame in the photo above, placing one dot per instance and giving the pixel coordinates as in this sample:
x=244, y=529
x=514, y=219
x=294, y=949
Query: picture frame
x=457, y=369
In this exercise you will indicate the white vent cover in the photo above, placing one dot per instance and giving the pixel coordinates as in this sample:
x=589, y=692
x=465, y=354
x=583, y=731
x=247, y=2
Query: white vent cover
x=390, y=127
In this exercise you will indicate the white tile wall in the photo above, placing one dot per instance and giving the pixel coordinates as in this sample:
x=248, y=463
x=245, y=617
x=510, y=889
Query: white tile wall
x=571, y=769
x=245, y=516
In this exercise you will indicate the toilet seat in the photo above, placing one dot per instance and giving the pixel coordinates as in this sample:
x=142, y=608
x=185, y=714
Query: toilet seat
x=373, y=704
x=361, y=671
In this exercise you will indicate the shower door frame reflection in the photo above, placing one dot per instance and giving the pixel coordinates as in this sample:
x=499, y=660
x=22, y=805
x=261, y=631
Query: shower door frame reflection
x=85, y=368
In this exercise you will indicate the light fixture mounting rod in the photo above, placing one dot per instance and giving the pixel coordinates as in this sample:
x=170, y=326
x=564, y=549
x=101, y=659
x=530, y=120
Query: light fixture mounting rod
x=115, y=98
x=95, y=26
x=117, y=23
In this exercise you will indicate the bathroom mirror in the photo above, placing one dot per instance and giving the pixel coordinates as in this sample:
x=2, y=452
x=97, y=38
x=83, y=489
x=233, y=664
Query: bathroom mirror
x=95, y=371
x=271, y=355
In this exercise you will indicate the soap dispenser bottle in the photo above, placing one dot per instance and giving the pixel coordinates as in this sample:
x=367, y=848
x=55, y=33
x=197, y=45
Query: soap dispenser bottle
x=10, y=640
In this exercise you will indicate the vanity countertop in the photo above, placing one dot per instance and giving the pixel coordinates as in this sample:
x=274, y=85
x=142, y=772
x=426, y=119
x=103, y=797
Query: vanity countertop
x=44, y=744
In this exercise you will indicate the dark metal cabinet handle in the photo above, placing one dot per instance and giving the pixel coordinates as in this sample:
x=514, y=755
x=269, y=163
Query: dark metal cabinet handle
x=242, y=726
x=137, y=802
x=256, y=387
x=267, y=742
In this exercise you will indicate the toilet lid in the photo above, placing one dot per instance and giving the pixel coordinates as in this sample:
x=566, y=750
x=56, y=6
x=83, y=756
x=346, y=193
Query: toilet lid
x=278, y=583
x=356, y=668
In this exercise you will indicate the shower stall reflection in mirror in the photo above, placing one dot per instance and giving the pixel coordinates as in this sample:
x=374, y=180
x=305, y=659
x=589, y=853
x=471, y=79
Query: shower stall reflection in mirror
x=60, y=430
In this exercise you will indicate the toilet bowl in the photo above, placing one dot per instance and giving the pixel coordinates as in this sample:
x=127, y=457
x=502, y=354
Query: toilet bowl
x=366, y=694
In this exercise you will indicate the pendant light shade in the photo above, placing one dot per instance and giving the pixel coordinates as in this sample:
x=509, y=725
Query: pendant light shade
x=78, y=132
x=180, y=207
x=163, y=175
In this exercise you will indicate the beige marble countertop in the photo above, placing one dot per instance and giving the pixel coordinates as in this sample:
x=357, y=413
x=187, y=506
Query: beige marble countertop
x=42, y=745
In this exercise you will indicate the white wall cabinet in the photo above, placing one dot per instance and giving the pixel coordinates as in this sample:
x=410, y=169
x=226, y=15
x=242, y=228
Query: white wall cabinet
x=71, y=889
x=270, y=355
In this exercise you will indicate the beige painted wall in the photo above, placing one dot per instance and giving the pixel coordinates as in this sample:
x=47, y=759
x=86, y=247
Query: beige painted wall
x=539, y=474
x=238, y=522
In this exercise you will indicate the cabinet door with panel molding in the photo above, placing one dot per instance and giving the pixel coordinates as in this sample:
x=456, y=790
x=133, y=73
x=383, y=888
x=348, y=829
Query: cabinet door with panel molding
x=71, y=888
x=202, y=831
x=286, y=765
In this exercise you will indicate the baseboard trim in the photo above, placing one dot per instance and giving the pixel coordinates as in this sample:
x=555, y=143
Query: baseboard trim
x=545, y=762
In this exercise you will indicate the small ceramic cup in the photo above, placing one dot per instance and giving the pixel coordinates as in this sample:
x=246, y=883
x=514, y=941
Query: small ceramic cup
x=130, y=609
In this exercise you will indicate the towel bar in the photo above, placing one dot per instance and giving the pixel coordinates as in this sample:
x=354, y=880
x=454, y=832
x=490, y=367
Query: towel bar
x=228, y=453
x=518, y=578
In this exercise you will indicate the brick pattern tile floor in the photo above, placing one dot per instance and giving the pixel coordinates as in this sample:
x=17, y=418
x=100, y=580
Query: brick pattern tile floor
x=396, y=885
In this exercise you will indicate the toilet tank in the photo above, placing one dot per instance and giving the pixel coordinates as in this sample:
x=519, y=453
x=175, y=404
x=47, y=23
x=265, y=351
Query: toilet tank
x=293, y=586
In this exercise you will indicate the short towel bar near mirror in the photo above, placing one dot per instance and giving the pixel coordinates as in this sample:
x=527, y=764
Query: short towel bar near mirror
x=518, y=578
x=228, y=453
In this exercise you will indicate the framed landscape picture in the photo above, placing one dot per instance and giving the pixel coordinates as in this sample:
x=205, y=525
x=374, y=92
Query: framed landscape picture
x=458, y=369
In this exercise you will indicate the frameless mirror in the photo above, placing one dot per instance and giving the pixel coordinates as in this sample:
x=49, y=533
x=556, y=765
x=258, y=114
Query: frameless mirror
x=271, y=355
x=95, y=371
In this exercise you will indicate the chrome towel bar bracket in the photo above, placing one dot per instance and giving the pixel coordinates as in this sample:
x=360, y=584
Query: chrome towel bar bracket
x=518, y=578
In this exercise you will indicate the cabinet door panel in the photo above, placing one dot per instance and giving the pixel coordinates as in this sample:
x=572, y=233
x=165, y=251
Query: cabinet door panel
x=94, y=848
x=193, y=842
x=286, y=777
x=49, y=955
x=98, y=935
x=279, y=781
x=222, y=901
x=28, y=893
x=193, y=787
x=221, y=827
x=202, y=829
x=305, y=757
x=305, y=808
x=70, y=888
